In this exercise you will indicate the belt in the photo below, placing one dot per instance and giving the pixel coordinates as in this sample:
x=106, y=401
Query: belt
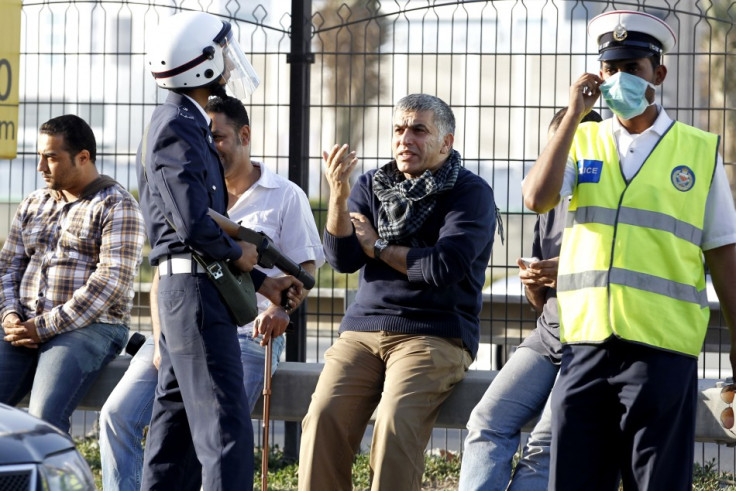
x=179, y=264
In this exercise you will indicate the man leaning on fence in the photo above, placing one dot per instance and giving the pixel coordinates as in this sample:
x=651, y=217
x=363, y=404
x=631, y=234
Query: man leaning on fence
x=650, y=200
x=420, y=230
x=67, y=271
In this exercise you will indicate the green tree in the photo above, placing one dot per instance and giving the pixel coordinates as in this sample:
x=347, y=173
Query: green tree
x=347, y=42
x=348, y=38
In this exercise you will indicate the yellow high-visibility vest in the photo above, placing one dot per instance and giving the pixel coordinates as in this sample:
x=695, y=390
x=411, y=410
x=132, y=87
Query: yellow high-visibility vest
x=631, y=263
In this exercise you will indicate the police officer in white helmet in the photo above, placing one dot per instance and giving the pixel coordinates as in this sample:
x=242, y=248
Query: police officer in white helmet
x=200, y=402
x=649, y=201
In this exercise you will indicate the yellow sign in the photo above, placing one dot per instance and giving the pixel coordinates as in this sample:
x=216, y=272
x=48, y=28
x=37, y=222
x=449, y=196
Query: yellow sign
x=9, y=71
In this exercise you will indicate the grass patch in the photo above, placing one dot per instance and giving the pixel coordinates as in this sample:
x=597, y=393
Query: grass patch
x=707, y=478
x=282, y=472
x=90, y=450
x=441, y=471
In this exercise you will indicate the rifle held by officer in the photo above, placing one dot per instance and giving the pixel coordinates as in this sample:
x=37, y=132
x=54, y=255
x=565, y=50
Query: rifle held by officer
x=268, y=254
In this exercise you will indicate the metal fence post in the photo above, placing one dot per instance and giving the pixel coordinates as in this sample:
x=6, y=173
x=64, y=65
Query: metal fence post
x=300, y=58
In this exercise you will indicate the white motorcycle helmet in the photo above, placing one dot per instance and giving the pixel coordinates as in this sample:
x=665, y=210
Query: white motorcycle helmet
x=195, y=49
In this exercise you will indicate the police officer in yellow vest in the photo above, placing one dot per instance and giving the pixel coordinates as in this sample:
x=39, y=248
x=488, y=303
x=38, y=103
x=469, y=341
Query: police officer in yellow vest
x=650, y=200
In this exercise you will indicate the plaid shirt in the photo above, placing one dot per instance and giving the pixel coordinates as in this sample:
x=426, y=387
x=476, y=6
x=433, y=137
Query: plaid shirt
x=71, y=264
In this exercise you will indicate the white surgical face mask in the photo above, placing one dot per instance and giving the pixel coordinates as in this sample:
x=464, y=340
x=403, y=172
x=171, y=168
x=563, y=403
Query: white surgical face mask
x=625, y=94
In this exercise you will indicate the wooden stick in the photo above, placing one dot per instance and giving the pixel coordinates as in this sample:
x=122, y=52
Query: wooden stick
x=266, y=411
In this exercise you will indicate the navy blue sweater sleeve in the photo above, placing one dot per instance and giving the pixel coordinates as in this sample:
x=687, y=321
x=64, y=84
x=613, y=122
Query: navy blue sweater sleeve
x=345, y=253
x=464, y=234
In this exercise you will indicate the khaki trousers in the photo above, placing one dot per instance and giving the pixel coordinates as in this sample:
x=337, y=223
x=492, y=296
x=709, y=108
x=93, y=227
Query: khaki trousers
x=406, y=377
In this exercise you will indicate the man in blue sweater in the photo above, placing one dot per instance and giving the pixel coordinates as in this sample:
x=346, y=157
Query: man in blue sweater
x=420, y=230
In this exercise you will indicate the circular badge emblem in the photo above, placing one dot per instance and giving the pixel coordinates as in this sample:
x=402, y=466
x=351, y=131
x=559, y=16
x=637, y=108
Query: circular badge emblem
x=620, y=33
x=683, y=178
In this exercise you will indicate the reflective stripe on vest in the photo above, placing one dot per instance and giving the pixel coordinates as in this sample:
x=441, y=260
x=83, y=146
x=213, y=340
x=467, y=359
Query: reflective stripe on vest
x=631, y=263
x=641, y=218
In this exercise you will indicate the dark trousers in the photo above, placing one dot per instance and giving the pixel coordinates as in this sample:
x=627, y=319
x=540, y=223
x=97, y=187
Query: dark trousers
x=200, y=402
x=623, y=411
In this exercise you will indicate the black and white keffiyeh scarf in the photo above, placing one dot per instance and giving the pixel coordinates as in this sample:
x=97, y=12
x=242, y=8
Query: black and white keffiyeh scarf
x=406, y=203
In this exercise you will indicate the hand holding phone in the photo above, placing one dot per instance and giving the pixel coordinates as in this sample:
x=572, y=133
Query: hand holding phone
x=527, y=261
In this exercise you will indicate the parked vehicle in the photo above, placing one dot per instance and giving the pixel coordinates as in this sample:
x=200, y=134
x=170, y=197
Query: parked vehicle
x=36, y=456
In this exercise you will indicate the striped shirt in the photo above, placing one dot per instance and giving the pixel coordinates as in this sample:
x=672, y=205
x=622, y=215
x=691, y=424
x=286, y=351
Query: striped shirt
x=71, y=264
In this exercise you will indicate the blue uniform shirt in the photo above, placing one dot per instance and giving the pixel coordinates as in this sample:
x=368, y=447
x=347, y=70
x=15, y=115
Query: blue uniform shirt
x=183, y=177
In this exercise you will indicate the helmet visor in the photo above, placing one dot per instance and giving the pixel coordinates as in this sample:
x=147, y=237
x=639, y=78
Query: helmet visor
x=239, y=75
